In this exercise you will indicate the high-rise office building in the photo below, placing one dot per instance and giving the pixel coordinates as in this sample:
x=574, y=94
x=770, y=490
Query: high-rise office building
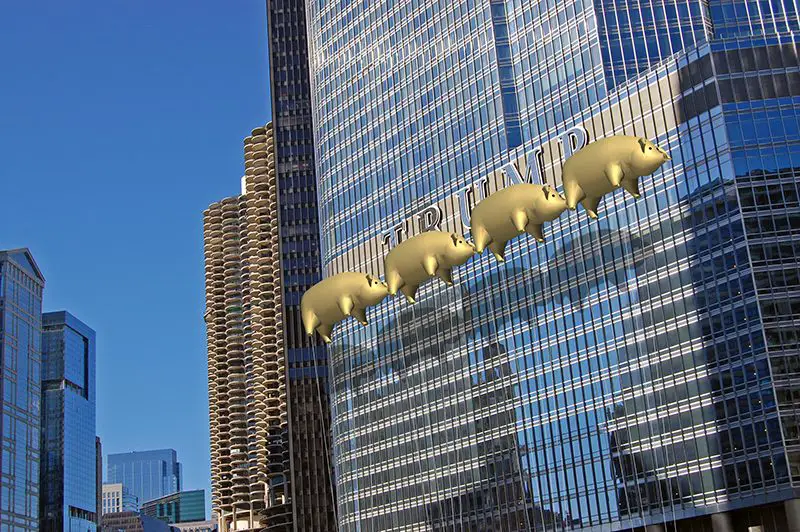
x=312, y=491
x=21, y=285
x=649, y=358
x=267, y=416
x=118, y=498
x=147, y=474
x=68, y=469
x=181, y=507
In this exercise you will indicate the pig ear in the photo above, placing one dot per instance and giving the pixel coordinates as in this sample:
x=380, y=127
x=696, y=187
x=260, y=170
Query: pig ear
x=369, y=278
x=642, y=144
x=454, y=238
x=546, y=190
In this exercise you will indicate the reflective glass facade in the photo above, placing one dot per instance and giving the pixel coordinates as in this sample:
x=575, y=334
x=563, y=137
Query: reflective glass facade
x=21, y=285
x=147, y=474
x=630, y=371
x=68, y=469
x=311, y=484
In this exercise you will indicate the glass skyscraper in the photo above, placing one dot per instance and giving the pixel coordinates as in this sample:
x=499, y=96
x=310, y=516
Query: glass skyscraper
x=21, y=285
x=68, y=470
x=147, y=474
x=637, y=370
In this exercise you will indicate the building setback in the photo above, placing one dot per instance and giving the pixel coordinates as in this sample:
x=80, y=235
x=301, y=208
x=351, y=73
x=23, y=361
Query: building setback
x=147, y=474
x=181, y=507
x=21, y=286
x=254, y=464
x=68, y=473
x=635, y=370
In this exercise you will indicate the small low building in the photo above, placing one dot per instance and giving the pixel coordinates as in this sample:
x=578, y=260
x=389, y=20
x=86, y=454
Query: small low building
x=118, y=498
x=197, y=526
x=181, y=507
x=132, y=522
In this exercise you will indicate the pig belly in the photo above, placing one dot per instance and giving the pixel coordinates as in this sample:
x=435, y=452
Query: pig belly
x=327, y=308
x=502, y=230
x=596, y=186
x=413, y=275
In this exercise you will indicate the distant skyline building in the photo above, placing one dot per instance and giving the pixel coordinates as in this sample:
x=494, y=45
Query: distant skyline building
x=261, y=455
x=21, y=287
x=181, y=507
x=147, y=474
x=118, y=498
x=637, y=370
x=68, y=472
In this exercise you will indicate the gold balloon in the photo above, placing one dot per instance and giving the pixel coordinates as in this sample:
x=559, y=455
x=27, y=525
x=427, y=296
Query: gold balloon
x=511, y=211
x=433, y=253
x=337, y=297
x=606, y=164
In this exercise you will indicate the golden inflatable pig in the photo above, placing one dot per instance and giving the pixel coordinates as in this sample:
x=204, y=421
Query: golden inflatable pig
x=433, y=253
x=511, y=211
x=606, y=164
x=334, y=298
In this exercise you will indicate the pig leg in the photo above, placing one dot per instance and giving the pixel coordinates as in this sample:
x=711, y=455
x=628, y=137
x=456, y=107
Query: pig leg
x=519, y=219
x=310, y=322
x=394, y=282
x=446, y=275
x=590, y=204
x=614, y=174
x=632, y=186
x=535, y=230
x=430, y=265
x=346, y=305
x=360, y=314
x=482, y=238
x=409, y=291
x=572, y=192
x=498, y=248
x=324, y=331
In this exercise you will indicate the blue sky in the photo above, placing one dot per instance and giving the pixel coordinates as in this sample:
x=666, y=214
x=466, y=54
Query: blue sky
x=120, y=121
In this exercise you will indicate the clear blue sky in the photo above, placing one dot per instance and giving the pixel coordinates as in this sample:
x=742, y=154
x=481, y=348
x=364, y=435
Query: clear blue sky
x=120, y=121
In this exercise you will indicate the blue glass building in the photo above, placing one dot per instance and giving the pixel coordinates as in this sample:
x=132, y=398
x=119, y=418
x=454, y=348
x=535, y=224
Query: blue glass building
x=68, y=471
x=146, y=474
x=21, y=285
x=638, y=370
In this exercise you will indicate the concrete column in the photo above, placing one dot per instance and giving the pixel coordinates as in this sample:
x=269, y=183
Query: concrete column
x=654, y=528
x=792, y=508
x=722, y=522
